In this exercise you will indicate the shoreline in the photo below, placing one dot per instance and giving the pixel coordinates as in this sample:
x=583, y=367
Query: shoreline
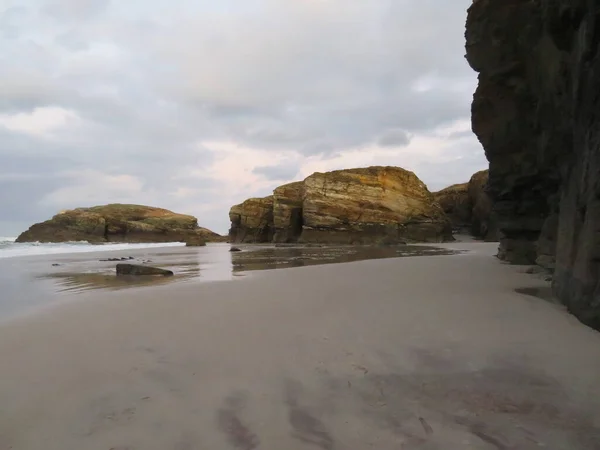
x=342, y=355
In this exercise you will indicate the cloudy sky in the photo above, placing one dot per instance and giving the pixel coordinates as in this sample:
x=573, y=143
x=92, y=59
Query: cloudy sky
x=195, y=105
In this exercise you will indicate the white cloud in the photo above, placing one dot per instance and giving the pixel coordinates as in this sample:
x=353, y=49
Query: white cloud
x=41, y=121
x=196, y=105
x=92, y=187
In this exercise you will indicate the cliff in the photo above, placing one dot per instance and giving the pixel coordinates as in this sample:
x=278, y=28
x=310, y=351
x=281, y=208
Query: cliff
x=469, y=207
x=456, y=203
x=118, y=223
x=354, y=206
x=535, y=113
x=252, y=221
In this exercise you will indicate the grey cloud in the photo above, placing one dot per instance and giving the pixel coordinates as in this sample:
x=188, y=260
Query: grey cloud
x=457, y=164
x=281, y=172
x=71, y=40
x=74, y=9
x=150, y=84
x=394, y=138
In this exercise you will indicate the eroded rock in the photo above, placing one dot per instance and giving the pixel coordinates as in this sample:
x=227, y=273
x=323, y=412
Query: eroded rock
x=535, y=112
x=287, y=212
x=355, y=206
x=252, y=221
x=138, y=270
x=196, y=241
x=456, y=203
x=118, y=223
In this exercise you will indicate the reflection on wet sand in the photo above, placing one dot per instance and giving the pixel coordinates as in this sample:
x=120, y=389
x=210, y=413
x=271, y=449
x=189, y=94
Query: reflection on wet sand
x=217, y=264
x=279, y=258
x=68, y=281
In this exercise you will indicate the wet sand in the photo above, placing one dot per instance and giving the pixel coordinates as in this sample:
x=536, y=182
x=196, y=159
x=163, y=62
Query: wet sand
x=37, y=281
x=433, y=352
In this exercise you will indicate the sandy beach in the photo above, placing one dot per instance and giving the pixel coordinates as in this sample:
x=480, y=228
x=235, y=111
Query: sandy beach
x=428, y=352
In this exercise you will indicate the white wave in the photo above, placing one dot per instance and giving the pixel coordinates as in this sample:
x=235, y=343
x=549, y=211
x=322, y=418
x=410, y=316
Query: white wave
x=11, y=249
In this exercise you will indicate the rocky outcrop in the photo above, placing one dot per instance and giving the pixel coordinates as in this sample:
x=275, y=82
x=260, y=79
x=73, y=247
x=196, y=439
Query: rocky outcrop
x=469, y=207
x=354, y=206
x=456, y=203
x=483, y=220
x=535, y=113
x=118, y=223
x=138, y=270
x=196, y=241
x=252, y=221
x=287, y=212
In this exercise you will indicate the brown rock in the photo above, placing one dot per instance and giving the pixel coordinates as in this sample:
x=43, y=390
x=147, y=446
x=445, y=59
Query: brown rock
x=117, y=223
x=535, y=112
x=371, y=205
x=195, y=241
x=354, y=206
x=456, y=203
x=483, y=222
x=137, y=270
x=287, y=212
x=252, y=221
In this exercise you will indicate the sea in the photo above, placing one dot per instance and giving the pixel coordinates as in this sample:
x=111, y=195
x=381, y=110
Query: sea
x=35, y=275
x=10, y=249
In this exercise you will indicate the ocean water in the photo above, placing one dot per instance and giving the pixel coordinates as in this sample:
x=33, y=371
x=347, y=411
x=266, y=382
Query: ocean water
x=10, y=249
x=35, y=275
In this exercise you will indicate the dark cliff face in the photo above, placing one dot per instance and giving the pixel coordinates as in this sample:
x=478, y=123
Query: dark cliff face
x=535, y=112
x=469, y=207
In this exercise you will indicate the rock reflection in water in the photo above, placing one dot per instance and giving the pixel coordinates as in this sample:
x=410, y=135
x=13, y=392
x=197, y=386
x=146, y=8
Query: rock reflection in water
x=278, y=258
x=107, y=279
x=218, y=264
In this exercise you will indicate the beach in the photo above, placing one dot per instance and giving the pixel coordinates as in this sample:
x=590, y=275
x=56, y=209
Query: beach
x=447, y=351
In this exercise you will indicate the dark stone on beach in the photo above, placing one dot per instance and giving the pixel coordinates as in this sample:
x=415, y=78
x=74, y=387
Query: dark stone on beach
x=235, y=249
x=195, y=242
x=55, y=264
x=134, y=269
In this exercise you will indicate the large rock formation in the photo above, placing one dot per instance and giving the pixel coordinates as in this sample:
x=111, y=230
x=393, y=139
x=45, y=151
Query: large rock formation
x=354, y=206
x=118, y=223
x=456, y=203
x=483, y=220
x=287, y=212
x=252, y=221
x=469, y=207
x=535, y=112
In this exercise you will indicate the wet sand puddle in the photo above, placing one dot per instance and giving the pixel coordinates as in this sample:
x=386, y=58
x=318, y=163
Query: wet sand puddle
x=80, y=275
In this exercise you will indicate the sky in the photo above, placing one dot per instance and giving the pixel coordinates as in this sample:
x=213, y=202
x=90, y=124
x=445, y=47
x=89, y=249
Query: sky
x=196, y=105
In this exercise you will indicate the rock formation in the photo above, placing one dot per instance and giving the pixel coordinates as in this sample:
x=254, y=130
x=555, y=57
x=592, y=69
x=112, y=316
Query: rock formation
x=483, y=221
x=535, y=113
x=354, y=206
x=287, y=212
x=469, y=207
x=195, y=241
x=252, y=221
x=456, y=203
x=118, y=223
x=138, y=270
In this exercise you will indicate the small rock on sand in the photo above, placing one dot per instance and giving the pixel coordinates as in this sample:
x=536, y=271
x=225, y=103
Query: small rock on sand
x=134, y=269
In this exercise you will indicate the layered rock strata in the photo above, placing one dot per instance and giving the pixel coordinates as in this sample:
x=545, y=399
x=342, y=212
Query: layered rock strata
x=354, y=206
x=118, y=223
x=535, y=112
